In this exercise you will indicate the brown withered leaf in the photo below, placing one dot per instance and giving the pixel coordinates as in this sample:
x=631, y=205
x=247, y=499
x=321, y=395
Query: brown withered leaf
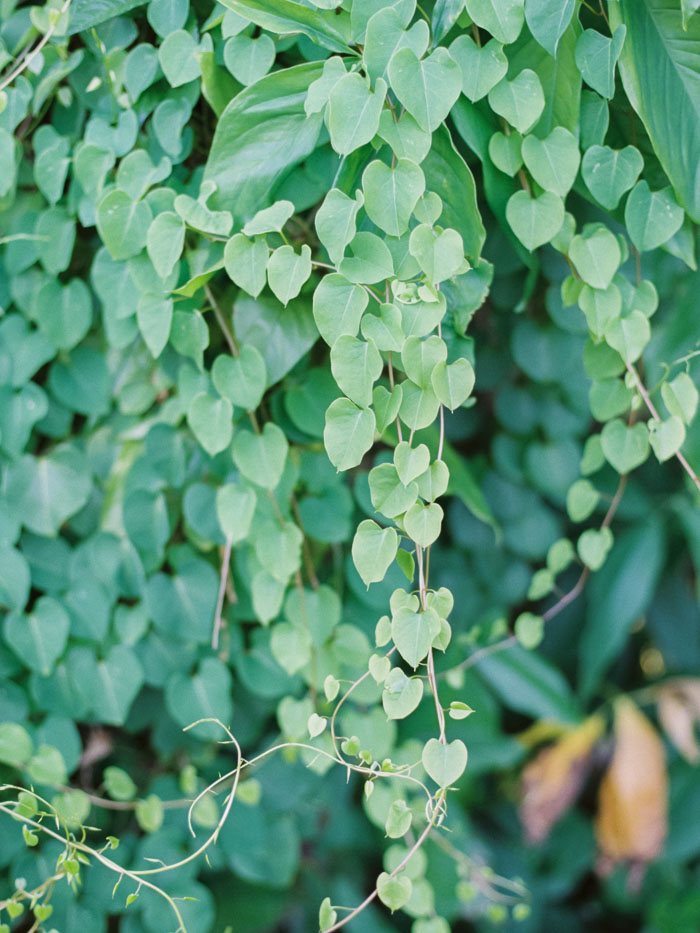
x=632, y=818
x=679, y=712
x=551, y=781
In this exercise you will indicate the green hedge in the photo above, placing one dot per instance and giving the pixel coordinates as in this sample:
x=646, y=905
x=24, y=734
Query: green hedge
x=348, y=516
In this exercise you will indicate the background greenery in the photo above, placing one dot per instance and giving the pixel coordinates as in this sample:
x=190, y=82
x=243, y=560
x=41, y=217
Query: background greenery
x=135, y=146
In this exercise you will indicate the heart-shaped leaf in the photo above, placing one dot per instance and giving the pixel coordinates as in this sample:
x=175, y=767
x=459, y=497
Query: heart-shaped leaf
x=596, y=57
x=211, y=420
x=287, y=271
x=482, y=68
x=394, y=891
x=338, y=307
x=242, y=379
x=392, y=193
x=388, y=493
x=444, y=762
x=245, y=262
x=625, y=447
x=520, y=101
x=506, y=152
x=401, y=695
x=535, y=220
x=453, y=382
x=502, y=18
x=609, y=173
x=553, y=161
x=39, y=638
x=353, y=112
x=410, y=462
x=629, y=335
x=413, y=633
x=386, y=35
x=596, y=255
x=423, y=523
x=652, y=217
x=123, y=224
x=356, y=365
x=373, y=550
x=348, y=434
x=593, y=547
x=427, y=88
x=316, y=725
x=261, y=457
x=440, y=255
x=666, y=437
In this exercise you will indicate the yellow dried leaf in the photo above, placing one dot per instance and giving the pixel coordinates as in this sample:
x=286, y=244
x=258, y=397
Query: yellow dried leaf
x=552, y=780
x=632, y=818
x=679, y=712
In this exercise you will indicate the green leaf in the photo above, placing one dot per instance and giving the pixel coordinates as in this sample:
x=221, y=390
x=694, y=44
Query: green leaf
x=482, y=66
x=16, y=746
x=249, y=59
x=625, y=448
x=373, y=551
x=63, y=313
x=241, y=379
x=609, y=173
x=335, y=222
x=660, y=62
x=211, y=421
x=420, y=357
x=652, y=217
x=165, y=16
x=164, y=242
x=281, y=335
x=149, y=813
x=529, y=630
x=596, y=57
x=48, y=490
x=423, y=523
x=427, y=88
x=440, y=255
x=110, y=685
x=206, y=694
x=506, y=152
x=406, y=138
x=453, y=383
x=176, y=55
x=356, y=365
x=389, y=495
x=548, y=20
x=353, y=112
x=596, y=255
x=15, y=579
x=118, y=783
x=520, y=101
x=245, y=161
x=413, y=633
x=245, y=262
x=681, y=397
x=666, y=437
x=433, y=483
x=270, y=219
x=235, y=506
x=581, y=500
x=287, y=18
x=123, y=224
x=84, y=14
x=261, y=457
x=410, y=462
x=154, y=315
x=445, y=763
x=287, y=271
x=392, y=193
x=400, y=816
x=326, y=915
x=535, y=221
x=394, y=892
x=553, y=161
x=370, y=260
x=386, y=405
x=502, y=18
x=338, y=307
x=386, y=35
x=629, y=335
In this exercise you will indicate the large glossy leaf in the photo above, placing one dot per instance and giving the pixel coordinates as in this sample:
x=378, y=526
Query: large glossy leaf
x=618, y=595
x=449, y=176
x=286, y=18
x=263, y=133
x=84, y=14
x=660, y=68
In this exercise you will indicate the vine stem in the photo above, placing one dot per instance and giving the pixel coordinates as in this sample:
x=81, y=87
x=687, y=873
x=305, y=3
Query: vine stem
x=655, y=415
x=35, y=51
x=439, y=800
x=223, y=577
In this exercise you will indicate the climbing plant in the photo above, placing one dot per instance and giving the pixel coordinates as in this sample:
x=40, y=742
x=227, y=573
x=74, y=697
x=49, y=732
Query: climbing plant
x=347, y=431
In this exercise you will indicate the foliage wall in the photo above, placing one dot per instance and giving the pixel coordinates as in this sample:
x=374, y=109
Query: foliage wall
x=349, y=525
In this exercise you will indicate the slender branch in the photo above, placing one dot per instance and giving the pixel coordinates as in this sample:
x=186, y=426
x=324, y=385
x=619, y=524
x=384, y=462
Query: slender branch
x=37, y=48
x=655, y=415
x=223, y=577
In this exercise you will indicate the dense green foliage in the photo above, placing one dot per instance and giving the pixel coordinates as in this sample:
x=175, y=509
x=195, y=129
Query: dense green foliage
x=347, y=402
